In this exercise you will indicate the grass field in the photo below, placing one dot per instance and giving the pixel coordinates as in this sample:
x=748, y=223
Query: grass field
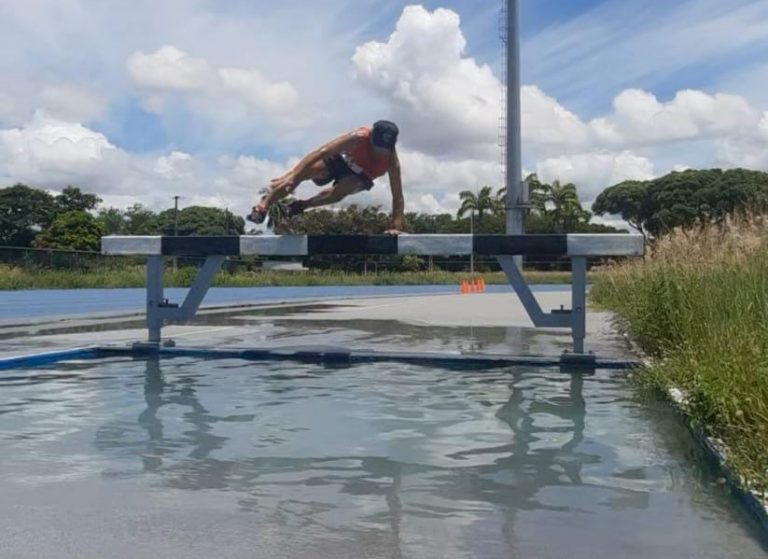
x=698, y=306
x=20, y=278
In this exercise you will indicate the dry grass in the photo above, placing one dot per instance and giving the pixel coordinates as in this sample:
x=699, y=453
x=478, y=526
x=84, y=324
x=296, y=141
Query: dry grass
x=133, y=276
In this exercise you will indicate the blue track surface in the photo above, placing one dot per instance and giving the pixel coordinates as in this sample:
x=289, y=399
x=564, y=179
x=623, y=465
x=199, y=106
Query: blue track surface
x=66, y=302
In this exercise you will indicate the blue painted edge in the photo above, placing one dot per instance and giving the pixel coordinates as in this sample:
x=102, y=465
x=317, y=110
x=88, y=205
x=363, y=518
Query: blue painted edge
x=342, y=355
x=36, y=359
x=748, y=499
x=339, y=355
x=751, y=502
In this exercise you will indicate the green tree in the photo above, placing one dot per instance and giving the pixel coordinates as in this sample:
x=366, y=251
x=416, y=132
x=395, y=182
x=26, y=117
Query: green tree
x=681, y=199
x=479, y=203
x=566, y=210
x=75, y=230
x=538, y=194
x=141, y=221
x=500, y=201
x=113, y=221
x=24, y=212
x=201, y=220
x=624, y=199
x=426, y=224
x=72, y=198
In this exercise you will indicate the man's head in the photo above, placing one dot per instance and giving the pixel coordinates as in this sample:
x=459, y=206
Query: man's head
x=384, y=135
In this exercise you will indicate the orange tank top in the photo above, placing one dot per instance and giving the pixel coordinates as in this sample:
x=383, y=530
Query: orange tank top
x=362, y=156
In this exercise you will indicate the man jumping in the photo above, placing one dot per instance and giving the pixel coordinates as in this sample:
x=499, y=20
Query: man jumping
x=351, y=162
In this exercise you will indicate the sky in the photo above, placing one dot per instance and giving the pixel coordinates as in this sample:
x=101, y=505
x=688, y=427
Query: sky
x=144, y=100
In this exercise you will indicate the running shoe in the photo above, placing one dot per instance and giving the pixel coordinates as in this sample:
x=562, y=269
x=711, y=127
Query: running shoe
x=258, y=214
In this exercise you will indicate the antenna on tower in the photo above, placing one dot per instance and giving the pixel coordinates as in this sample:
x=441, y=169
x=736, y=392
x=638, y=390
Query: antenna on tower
x=509, y=32
x=502, y=129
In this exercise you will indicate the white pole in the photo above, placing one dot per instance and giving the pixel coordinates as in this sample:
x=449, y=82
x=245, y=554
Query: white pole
x=513, y=162
x=472, y=255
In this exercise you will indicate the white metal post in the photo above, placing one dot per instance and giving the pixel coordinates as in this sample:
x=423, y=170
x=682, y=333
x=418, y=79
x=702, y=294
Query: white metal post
x=155, y=269
x=515, y=196
x=472, y=256
x=579, y=301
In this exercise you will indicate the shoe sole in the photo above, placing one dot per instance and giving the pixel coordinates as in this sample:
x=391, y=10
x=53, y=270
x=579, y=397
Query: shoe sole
x=258, y=220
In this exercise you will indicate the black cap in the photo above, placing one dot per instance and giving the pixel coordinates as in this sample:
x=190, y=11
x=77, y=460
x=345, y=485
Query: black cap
x=384, y=134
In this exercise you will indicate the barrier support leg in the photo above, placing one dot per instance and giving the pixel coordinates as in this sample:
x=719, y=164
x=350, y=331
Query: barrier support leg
x=579, y=301
x=199, y=288
x=574, y=318
x=159, y=310
x=540, y=319
x=155, y=299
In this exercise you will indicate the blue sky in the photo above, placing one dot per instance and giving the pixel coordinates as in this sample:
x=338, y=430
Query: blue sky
x=135, y=100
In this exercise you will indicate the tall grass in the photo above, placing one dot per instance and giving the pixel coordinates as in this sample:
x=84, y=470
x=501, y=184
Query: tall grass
x=134, y=276
x=698, y=305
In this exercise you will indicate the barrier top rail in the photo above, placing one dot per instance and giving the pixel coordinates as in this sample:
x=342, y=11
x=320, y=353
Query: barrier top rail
x=572, y=245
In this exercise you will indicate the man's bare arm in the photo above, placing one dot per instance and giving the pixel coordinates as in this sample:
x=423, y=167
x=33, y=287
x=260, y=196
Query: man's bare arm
x=398, y=202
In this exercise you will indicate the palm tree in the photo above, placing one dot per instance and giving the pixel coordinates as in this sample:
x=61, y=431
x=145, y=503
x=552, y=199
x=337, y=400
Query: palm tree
x=566, y=210
x=499, y=202
x=480, y=203
x=538, y=194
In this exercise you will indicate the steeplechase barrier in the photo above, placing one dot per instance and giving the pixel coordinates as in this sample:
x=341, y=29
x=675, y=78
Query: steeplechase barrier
x=214, y=250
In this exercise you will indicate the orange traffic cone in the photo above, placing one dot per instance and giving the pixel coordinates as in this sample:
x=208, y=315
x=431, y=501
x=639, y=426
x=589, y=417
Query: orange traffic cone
x=482, y=285
x=464, y=288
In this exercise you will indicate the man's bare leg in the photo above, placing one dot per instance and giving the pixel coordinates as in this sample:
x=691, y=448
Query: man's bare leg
x=347, y=186
x=282, y=187
x=275, y=193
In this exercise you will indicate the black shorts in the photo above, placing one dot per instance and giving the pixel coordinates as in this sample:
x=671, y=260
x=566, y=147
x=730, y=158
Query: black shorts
x=338, y=169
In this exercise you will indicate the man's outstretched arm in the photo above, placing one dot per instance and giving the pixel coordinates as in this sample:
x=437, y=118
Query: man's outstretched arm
x=398, y=202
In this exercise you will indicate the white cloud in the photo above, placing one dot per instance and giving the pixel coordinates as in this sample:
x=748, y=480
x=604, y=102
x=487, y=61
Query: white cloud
x=640, y=118
x=255, y=89
x=548, y=125
x=177, y=165
x=22, y=98
x=49, y=152
x=749, y=149
x=72, y=102
x=593, y=172
x=170, y=70
x=450, y=106
x=444, y=101
x=238, y=93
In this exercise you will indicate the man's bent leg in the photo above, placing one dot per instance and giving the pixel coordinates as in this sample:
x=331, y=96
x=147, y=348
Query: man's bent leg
x=317, y=171
x=348, y=185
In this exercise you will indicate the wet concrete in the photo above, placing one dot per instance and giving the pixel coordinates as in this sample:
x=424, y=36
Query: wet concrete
x=494, y=323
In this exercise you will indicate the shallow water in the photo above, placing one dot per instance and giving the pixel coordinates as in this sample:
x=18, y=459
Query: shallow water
x=226, y=458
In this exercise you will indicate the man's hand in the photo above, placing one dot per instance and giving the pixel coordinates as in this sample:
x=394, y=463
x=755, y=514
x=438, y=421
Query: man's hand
x=286, y=182
x=392, y=232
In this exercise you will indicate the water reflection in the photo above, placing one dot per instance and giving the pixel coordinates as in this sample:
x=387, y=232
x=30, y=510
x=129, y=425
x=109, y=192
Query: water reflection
x=371, y=460
x=424, y=470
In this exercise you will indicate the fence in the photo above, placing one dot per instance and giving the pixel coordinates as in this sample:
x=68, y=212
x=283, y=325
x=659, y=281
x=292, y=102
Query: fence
x=56, y=259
